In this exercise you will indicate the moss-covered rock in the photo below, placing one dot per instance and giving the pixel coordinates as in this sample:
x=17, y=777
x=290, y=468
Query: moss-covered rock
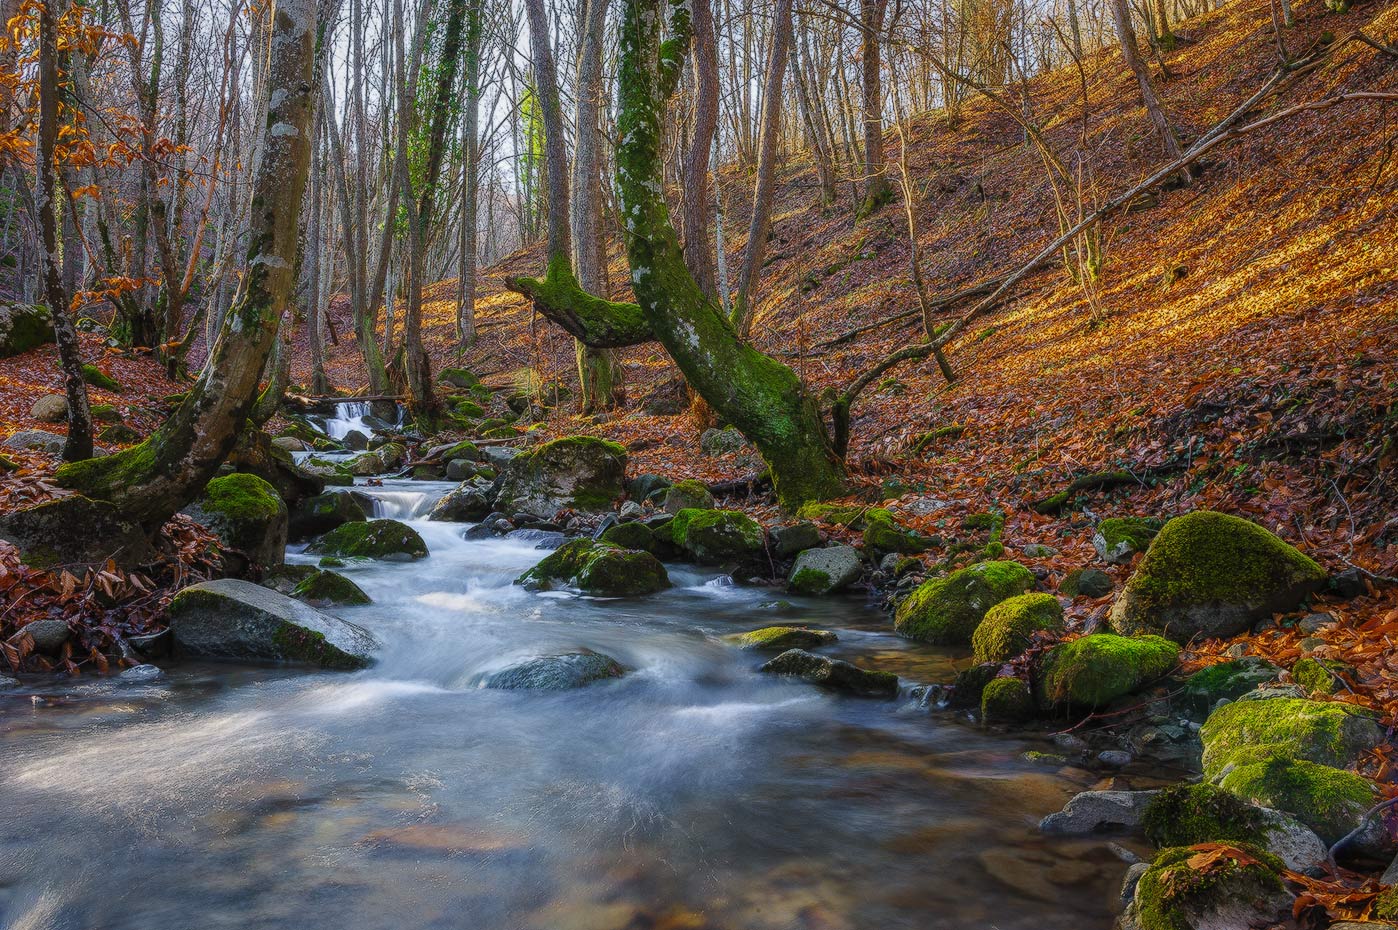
x=462, y=378
x=1210, y=574
x=556, y=673
x=118, y=434
x=781, y=638
x=332, y=473
x=1095, y=670
x=1182, y=815
x=249, y=518
x=329, y=589
x=1329, y=800
x=466, y=449
x=833, y=674
x=105, y=413
x=75, y=531
x=1321, y=676
x=313, y=516
x=24, y=327
x=1006, y=630
x=634, y=535
x=580, y=473
x=717, y=537
x=1226, y=681
x=824, y=571
x=1237, y=885
x=597, y=568
x=387, y=540
x=854, y=516
x=1290, y=728
x=969, y=684
x=883, y=534
x=100, y=379
x=1006, y=701
x=946, y=611
x=688, y=495
x=1117, y=539
x=1085, y=582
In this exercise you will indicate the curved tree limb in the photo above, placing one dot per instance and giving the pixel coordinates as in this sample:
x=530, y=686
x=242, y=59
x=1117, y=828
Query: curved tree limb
x=596, y=323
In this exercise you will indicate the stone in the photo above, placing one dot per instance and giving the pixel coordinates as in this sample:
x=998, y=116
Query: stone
x=7, y=683
x=556, y=673
x=238, y=620
x=292, y=444
x=1242, y=888
x=1094, y=670
x=1226, y=681
x=716, y=442
x=1086, y=582
x=355, y=441
x=499, y=456
x=946, y=611
x=313, y=516
x=75, y=531
x=630, y=511
x=35, y=439
x=388, y=540
x=249, y=518
x=687, y=495
x=1322, y=676
x=1118, y=539
x=329, y=589
x=824, y=571
x=51, y=408
x=1212, y=575
x=781, y=638
x=599, y=569
x=365, y=465
x=1115, y=758
x=48, y=635
x=254, y=454
x=1322, y=732
x=1006, y=701
x=791, y=538
x=1275, y=691
x=1008, y=627
x=1330, y=801
x=645, y=487
x=332, y=473
x=833, y=674
x=667, y=399
x=580, y=473
x=718, y=537
x=1038, y=551
x=467, y=502
x=1099, y=812
x=24, y=327
x=460, y=470
x=882, y=533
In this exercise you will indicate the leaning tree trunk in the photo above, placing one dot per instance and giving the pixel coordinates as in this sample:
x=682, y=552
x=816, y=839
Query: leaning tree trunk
x=153, y=480
x=1126, y=35
x=78, y=445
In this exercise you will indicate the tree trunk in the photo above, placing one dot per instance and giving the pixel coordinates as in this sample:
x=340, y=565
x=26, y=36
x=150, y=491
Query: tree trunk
x=153, y=480
x=1126, y=35
x=825, y=170
x=78, y=445
x=470, y=181
x=696, y=207
x=877, y=190
x=760, y=223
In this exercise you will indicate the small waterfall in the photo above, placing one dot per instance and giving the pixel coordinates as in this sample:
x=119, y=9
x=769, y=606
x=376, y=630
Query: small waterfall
x=348, y=417
x=399, y=500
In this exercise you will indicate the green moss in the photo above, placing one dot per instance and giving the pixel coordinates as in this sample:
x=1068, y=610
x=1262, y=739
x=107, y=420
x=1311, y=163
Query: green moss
x=329, y=588
x=30, y=327
x=716, y=537
x=1320, y=676
x=809, y=581
x=598, y=568
x=8, y=464
x=298, y=644
x=854, y=516
x=1294, y=728
x=1095, y=670
x=1006, y=700
x=242, y=496
x=458, y=377
x=688, y=495
x=947, y=610
x=1214, y=570
x=883, y=534
x=1386, y=904
x=105, y=413
x=372, y=539
x=1182, y=815
x=1328, y=800
x=1226, y=681
x=630, y=536
x=100, y=379
x=466, y=449
x=98, y=477
x=1169, y=892
x=1006, y=630
x=465, y=407
x=781, y=638
x=1124, y=535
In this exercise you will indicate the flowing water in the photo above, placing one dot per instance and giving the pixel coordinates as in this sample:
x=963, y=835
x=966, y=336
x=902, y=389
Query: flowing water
x=692, y=793
x=351, y=416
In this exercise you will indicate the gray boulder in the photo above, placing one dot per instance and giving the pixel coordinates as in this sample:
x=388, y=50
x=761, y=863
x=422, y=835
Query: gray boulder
x=51, y=408
x=1098, y=812
x=75, y=531
x=792, y=538
x=833, y=674
x=238, y=620
x=556, y=673
x=824, y=571
x=466, y=503
x=322, y=513
x=37, y=439
x=48, y=635
x=722, y=441
x=581, y=473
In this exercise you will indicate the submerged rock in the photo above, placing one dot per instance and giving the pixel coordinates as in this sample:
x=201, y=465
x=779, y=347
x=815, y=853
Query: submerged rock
x=556, y=673
x=834, y=674
x=580, y=473
x=599, y=569
x=233, y=619
x=329, y=589
x=946, y=611
x=1209, y=574
x=387, y=540
x=781, y=638
x=824, y=571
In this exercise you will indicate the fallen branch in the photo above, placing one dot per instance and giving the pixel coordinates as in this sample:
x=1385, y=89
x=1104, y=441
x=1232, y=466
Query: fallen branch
x=937, y=303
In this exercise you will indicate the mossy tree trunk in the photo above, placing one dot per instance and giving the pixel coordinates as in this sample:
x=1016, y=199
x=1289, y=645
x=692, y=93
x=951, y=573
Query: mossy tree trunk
x=153, y=480
x=759, y=395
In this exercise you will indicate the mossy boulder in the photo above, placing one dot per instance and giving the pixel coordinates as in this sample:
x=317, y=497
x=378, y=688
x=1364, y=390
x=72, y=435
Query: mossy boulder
x=946, y=611
x=854, y=516
x=238, y=620
x=1086, y=582
x=1118, y=539
x=581, y=473
x=793, y=538
x=248, y=516
x=105, y=413
x=1210, y=574
x=1095, y=670
x=1006, y=701
x=1233, y=885
x=688, y=495
x=969, y=684
x=556, y=673
x=118, y=434
x=1006, y=630
x=634, y=535
x=386, y=540
x=833, y=674
x=781, y=638
x=723, y=441
x=75, y=532
x=1182, y=815
x=100, y=379
x=717, y=537
x=883, y=534
x=1226, y=681
x=824, y=571
x=462, y=378
x=329, y=589
x=468, y=502
x=1329, y=800
x=332, y=473
x=1327, y=733
x=313, y=516
x=597, y=568
x=1321, y=676
x=24, y=327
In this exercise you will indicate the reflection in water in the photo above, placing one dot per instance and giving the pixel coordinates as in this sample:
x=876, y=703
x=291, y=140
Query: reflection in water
x=693, y=793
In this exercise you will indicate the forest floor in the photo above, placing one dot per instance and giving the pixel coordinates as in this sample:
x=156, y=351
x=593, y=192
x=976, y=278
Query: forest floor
x=1237, y=352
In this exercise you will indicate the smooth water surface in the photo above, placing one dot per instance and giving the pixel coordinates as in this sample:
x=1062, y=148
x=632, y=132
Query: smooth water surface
x=693, y=793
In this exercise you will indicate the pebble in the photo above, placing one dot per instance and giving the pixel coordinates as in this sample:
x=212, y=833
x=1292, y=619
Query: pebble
x=1314, y=623
x=1070, y=743
x=1116, y=758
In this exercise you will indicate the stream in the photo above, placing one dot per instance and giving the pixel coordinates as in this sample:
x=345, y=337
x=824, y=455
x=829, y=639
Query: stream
x=693, y=794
